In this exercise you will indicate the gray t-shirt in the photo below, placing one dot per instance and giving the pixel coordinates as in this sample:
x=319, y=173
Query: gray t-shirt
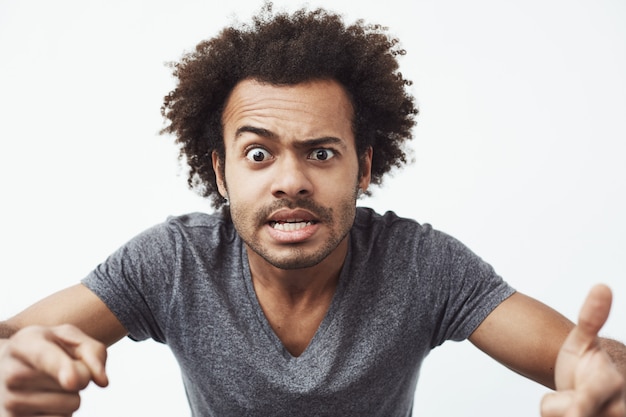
x=404, y=289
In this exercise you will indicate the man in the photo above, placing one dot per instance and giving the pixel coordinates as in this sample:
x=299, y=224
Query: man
x=290, y=300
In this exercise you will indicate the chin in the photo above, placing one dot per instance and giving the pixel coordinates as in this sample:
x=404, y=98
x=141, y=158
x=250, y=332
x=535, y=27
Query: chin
x=297, y=262
x=293, y=257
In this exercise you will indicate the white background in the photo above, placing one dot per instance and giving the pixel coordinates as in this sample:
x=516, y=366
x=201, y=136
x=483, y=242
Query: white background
x=519, y=153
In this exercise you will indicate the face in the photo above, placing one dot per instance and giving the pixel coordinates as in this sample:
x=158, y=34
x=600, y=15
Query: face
x=291, y=170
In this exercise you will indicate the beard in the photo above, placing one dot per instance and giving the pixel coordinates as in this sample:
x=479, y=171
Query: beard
x=338, y=220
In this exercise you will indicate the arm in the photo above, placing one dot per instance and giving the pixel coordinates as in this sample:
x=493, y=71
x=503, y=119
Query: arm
x=588, y=372
x=75, y=305
x=525, y=335
x=52, y=350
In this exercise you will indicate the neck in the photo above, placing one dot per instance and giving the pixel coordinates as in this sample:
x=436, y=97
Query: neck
x=295, y=286
x=296, y=301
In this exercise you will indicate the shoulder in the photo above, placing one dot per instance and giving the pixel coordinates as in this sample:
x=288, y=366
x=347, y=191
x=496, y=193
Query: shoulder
x=389, y=228
x=217, y=223
x=366, y=219
x=199, y=220
x=393, y=234
x=197, y=228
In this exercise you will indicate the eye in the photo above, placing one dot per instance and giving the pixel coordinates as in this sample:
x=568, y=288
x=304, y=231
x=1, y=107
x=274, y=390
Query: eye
x=321, y=154
x=257, y=155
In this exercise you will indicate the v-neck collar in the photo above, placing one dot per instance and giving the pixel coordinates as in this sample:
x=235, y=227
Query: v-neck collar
x=317, y=342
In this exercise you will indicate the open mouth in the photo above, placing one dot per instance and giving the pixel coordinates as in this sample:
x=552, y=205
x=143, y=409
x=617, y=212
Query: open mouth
x=291, y=225
x=298, y=223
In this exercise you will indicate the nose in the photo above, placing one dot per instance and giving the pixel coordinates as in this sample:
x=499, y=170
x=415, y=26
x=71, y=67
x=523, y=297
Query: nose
x=291, y=178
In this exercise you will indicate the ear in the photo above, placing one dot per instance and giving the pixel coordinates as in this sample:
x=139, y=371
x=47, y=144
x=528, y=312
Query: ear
x=219, y=170
x=365, y=167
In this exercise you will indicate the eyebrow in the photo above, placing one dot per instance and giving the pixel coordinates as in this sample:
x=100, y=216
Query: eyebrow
x=259, y=131
x=307, y=143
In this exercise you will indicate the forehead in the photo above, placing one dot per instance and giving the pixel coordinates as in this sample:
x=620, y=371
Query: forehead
x=318, y=107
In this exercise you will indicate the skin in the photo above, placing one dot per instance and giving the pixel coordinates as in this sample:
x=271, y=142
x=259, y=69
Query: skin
x=57, y=347
x=291, y=158
x=294, y=141
x=588, y=381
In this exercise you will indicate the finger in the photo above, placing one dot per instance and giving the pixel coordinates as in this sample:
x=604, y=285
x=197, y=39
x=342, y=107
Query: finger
x=555, y=404
x=88, y=350
x=29, y=403
x=40, y=349
x=600, y=389
x=19, y=376
x=593, y=315
x=616, y=408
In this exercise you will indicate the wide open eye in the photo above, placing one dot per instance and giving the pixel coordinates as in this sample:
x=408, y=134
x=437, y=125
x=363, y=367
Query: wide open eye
x=322, y=154
x=258, y=154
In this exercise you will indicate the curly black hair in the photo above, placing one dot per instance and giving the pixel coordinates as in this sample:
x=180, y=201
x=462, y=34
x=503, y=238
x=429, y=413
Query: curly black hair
x=287, y=49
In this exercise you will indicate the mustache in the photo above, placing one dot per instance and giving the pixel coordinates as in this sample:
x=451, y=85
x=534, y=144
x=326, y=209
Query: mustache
x=324, y=214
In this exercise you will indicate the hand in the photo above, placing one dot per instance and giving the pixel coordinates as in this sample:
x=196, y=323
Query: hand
x=43, y=369
x=587, y=382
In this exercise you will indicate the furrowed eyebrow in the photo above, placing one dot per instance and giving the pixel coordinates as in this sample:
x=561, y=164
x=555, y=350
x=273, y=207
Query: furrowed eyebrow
x=317, y=142
x=259, y=131
x=307, y=143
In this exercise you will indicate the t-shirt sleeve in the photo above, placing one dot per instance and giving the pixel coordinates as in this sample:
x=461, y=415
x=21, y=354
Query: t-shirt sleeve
x=132, y=277
x=466, y=289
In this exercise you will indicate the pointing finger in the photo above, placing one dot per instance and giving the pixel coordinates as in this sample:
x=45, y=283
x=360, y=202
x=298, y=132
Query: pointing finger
x=57, y=352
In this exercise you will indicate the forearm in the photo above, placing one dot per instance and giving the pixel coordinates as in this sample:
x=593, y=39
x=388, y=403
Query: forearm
x=6, y=330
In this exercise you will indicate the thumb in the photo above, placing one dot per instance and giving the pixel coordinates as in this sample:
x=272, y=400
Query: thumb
x=593, y=315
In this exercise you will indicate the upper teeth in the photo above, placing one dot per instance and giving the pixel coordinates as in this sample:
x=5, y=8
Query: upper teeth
x=290, y=226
